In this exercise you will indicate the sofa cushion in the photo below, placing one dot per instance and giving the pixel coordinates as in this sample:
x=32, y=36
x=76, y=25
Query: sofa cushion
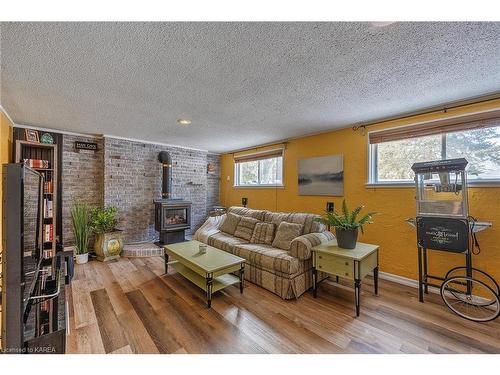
x=230, y=223
x=307, y=220
x=263, y=233
x=286, y=233
x=269, y=258
x=225, y=241
x=302, y=245
x=248, y=212
x=245, y=228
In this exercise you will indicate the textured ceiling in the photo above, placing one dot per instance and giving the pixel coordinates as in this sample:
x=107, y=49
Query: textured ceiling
x=241, y=84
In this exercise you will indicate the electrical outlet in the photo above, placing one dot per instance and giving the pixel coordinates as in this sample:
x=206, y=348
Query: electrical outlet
x=228, y=178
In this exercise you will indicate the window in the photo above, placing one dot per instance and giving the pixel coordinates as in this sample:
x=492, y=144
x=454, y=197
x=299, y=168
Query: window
x=262, y=169
x=393, y=151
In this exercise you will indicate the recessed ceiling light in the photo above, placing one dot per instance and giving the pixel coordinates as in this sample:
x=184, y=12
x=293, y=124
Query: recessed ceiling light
x=382, y=23
x=183, y=121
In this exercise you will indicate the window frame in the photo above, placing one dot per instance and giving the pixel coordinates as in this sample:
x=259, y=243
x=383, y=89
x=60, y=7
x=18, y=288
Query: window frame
x=372, y=168
x=236, y=179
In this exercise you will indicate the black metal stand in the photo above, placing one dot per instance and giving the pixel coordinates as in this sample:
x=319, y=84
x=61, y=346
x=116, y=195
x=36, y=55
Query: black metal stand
x=423, y=275
x=357, y=294
x=209, y=290
x=242, y=277
x=315, y=287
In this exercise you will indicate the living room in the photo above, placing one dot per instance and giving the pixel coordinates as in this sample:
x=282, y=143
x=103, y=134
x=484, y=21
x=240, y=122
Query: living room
x=250, y=188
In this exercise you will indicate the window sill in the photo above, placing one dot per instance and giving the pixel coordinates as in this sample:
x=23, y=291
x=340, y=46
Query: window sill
x=400, y=185
x=259, y=186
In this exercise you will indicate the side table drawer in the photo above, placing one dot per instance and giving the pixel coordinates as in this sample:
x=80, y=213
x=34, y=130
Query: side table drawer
x=335, y=265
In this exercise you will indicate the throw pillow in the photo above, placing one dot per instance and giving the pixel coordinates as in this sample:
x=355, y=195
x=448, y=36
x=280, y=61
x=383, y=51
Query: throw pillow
x=230, y=223
x=263, y=233
x=245, y=228
x=286, y=233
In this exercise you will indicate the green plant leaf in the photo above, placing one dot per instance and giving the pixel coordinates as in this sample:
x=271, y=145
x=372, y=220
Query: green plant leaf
x=346, y=220
x=345, y=210
x=366, y=218
x=81, y=226
x=354, y=214
x=103, y=220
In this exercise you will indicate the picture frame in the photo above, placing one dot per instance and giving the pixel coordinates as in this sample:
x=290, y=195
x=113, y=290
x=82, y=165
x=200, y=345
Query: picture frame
x=31, y=135
x=321, y=176
x=211, y=168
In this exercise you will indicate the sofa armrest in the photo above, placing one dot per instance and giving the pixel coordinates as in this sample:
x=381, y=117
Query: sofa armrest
x=301, y=246
x=209, y=228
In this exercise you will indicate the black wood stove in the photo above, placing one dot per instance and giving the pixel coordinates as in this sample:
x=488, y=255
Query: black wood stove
x=172, y=215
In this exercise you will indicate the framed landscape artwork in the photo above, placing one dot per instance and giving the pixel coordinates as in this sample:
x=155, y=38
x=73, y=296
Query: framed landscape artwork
x=322, y=176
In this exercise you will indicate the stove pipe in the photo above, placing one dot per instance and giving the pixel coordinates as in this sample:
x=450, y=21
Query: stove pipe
x=166, y=187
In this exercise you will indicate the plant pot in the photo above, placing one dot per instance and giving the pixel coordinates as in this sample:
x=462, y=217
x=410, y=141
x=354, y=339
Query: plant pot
x=346, y=238
x=82, y=258
x=108, y=246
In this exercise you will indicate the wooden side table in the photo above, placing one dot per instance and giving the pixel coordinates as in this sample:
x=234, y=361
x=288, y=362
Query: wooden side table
x=353, y=264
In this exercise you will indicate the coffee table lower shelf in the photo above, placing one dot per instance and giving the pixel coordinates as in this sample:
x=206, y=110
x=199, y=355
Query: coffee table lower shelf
x=208, y=285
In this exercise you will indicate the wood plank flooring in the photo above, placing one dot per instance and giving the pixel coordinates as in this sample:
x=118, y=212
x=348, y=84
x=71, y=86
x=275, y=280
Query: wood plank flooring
x=130, y=306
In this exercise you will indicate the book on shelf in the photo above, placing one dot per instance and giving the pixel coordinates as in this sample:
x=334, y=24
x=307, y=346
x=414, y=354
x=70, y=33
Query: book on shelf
x=48, y=232
x=48, y=187
x=47, y=208
x=49, y=253
x=36, y=163
x=46, y=273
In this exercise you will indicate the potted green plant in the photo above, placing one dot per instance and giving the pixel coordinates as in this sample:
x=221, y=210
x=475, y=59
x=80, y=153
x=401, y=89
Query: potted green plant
x=108, y=240
x=347, y=224
x=82, y=230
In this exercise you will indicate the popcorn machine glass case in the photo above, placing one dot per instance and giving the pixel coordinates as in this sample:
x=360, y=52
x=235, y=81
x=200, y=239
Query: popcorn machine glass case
x=441, y=188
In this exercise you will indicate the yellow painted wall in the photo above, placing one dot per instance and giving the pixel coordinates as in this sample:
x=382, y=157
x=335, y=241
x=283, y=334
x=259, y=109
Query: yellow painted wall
x=5, y=155
x=396, y=238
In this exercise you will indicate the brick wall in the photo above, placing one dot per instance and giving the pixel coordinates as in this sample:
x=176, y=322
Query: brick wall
x=213, y=182
x=82, y=178
x=132, y=180
x=127, y=174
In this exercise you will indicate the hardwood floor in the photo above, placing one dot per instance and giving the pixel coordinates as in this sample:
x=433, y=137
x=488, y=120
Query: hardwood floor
x=130, y=306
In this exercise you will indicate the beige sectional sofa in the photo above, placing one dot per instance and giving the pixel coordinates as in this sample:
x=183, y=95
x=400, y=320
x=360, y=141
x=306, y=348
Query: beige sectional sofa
x=285, y=271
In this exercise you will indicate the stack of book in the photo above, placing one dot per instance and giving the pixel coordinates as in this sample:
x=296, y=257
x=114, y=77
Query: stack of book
x=48, y=187
x=49, y=253
x=47, y=208
x=36, y=163
x=48, y=232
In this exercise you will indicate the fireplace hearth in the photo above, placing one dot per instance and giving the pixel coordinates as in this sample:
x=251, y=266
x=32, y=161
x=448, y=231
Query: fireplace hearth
x=172, y=216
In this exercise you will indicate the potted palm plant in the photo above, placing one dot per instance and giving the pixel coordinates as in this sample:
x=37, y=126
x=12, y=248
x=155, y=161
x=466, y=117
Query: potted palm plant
x=81, y=228
x=108, y=240
x=347, y=224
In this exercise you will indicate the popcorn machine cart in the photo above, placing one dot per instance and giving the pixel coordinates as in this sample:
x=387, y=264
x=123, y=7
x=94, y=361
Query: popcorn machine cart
x=443, y=223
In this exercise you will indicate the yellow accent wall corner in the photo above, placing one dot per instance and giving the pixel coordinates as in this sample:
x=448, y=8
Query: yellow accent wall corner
x=5, y=157
x=396, y=238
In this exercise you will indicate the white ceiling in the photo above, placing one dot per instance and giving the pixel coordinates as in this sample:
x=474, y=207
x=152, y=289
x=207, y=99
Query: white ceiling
x=241, y=84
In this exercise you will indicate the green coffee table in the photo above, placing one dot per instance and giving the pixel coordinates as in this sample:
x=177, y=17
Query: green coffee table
x=211, y=271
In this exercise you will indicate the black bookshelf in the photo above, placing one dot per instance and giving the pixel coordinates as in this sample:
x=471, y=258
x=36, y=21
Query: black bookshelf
x=35, y=149
x=33, y=287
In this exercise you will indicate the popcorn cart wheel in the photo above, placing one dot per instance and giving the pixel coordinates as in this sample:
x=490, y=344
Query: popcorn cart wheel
x=476, y=274
x=470, y=298
x=443, y=224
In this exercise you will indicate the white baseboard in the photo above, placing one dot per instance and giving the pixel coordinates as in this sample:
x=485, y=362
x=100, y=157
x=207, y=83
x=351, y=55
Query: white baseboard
x=403, y=281
x=412, y=283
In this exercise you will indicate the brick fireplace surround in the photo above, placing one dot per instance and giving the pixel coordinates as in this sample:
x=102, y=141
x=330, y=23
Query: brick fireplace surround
x=127, y=174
